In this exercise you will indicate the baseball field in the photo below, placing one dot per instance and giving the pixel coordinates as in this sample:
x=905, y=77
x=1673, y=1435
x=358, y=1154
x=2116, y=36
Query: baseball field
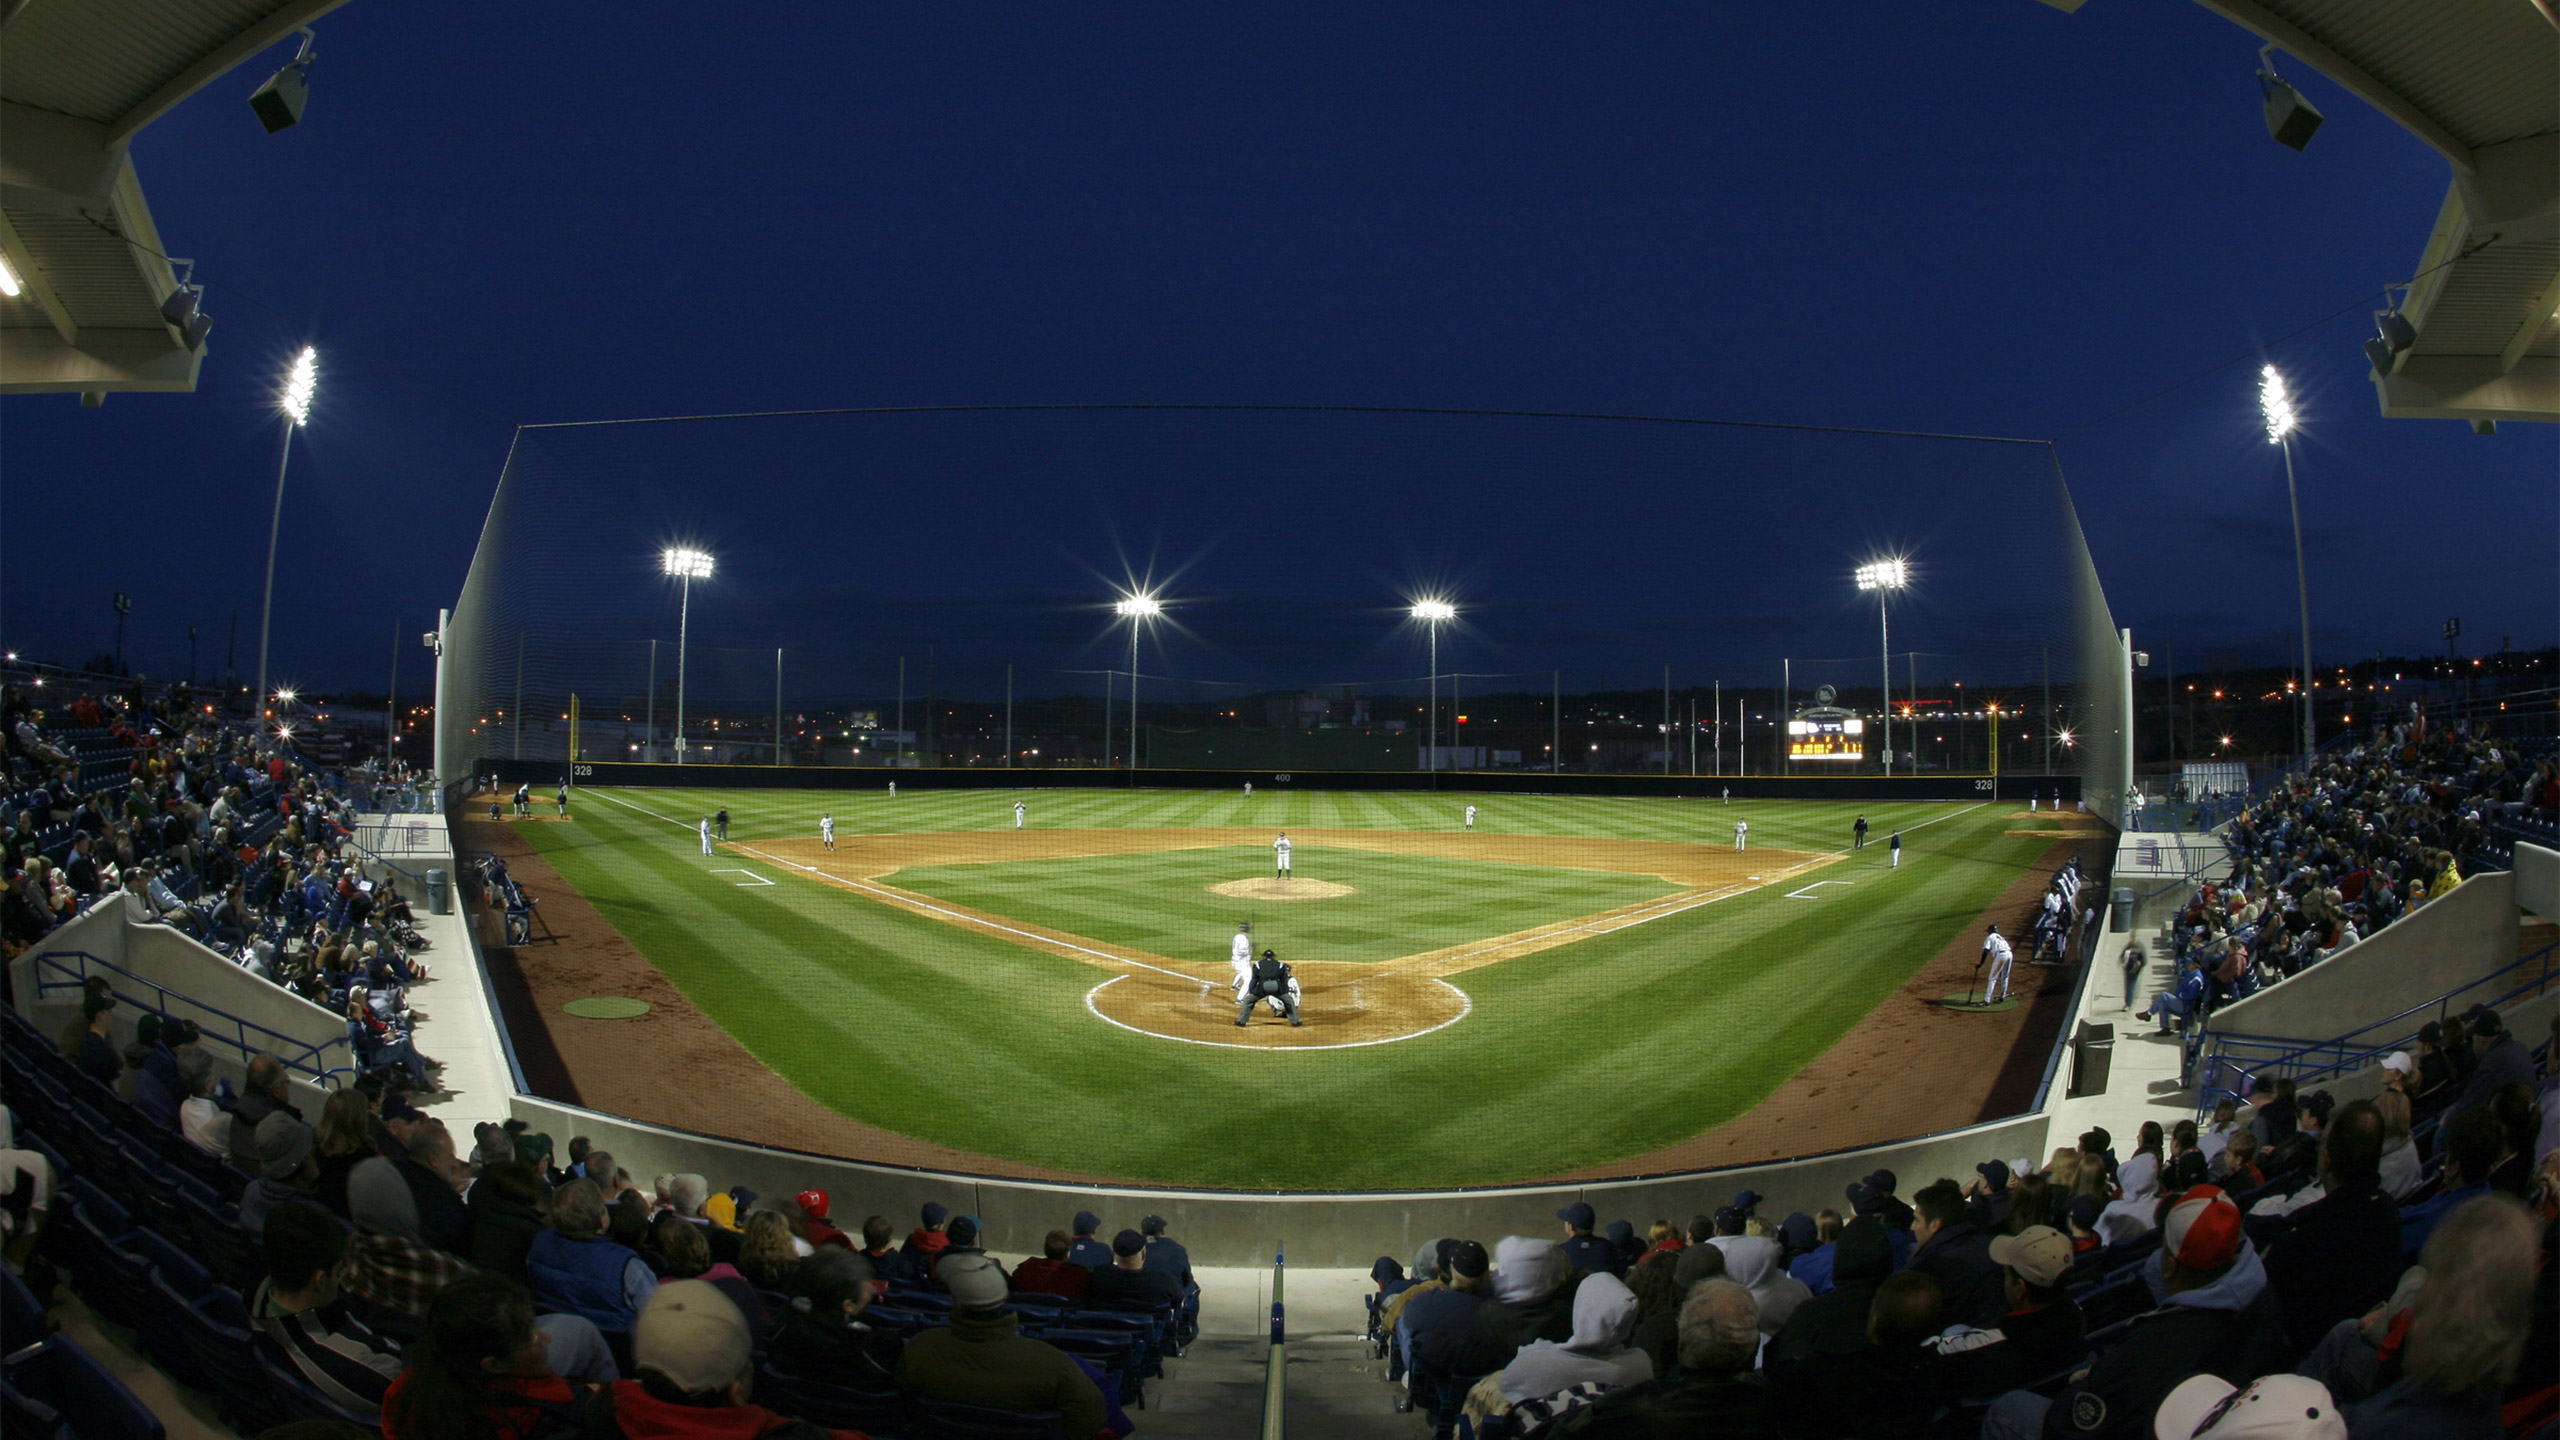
x=1575, y=983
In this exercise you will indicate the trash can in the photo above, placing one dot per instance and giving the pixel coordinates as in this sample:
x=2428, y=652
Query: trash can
x=2093, y=1049
x=439, y=893
x=2121, y=906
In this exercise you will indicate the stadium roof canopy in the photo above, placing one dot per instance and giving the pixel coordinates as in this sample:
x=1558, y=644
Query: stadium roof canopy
x=78, y=80
x=2479, y=80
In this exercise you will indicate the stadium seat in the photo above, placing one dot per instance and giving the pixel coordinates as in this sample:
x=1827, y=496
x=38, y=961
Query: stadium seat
x=951, y=1420
x=25, y=1418
x=93, y=1403
x=296, y=1400
x=215, y=1334
x=22, y=1318
x=835, y=1407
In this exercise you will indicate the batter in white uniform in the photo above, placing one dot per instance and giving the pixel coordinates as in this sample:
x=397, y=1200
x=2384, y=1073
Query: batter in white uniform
x=827, y=831
x=1240, y=957
x=1280, y=856
x=1996, y=951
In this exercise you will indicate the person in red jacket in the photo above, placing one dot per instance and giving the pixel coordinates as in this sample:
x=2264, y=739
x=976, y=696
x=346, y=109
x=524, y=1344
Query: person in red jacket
x=814, y=1225
x=1052, y=1273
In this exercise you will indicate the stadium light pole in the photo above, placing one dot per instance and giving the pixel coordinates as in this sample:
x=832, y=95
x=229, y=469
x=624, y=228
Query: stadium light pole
x=1433, y=614
x=2275, y=403
x=294, y=401
x=1138, y=609
x=1884, y=577
x=687, y=566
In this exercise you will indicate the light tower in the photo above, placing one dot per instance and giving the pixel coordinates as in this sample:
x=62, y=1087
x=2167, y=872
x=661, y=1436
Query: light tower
x=687, y=566
x=1434, y=613
x=1137, y=610
x=294, y=403
x=1884, y=577
x=2275, y=402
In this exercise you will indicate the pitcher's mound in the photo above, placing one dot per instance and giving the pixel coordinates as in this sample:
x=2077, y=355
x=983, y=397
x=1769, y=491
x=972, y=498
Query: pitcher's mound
x=1290, y=889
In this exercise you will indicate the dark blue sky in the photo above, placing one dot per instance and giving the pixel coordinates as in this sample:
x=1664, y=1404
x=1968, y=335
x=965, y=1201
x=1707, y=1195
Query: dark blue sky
x=1987, y=219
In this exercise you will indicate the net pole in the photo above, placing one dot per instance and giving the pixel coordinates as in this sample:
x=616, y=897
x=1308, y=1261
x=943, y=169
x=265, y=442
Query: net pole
x=777, y=704
x=1555, y=719
x=1008, y=715
x=650, y=734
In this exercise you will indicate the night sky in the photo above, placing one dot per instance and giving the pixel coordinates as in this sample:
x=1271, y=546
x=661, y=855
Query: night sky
x=1993, y=219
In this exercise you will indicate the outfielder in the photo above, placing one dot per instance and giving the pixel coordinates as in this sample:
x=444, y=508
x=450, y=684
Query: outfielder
x=1248, y=789
x=827, y=831
x=1471, y=817
x=893, y=789
x=1741, y=834
x=1019, y=810
x=706, y=835
x=1271, y=981
x=1897, y=851
x=1280, y=857
x=1996, y=950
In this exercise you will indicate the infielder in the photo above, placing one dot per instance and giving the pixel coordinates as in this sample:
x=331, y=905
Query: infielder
x=1897, y=851
x=706, y=835
x=827, y=831
x=1860, y=832
x=1280, y=857
x=1019, y=810
x=1741, y=834
x=1996, y=950
x=1471, y=817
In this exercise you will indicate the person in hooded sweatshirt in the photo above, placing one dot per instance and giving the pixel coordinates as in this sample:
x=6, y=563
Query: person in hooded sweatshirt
x=1752, y=1261
x=1812, y=1353
x=1533, y=1289
x=926, y=1242
x=1596, y=1353
x=2217, y=1315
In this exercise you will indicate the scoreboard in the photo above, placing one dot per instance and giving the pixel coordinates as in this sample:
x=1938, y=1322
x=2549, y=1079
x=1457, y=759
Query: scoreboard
x=1827, y=735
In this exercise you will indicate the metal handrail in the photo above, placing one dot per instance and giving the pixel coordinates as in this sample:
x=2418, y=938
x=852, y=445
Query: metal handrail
x=1275, y=1364
x=2292, y=1054
x=295, y=1053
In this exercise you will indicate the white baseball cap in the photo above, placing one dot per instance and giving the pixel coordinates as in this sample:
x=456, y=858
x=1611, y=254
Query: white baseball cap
x=2399, y=1060
x=2275, y=1407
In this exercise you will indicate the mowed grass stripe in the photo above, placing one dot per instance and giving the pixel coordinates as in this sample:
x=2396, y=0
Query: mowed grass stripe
x=1619, y=1043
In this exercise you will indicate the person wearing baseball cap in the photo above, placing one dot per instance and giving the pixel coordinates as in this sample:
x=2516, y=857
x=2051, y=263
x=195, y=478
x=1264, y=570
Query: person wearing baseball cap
x=2219, y=1315
x=927, y=1241
x=2042, y=1330
x=981, y=1359
x=1129, y=1282
x=2399, y=1072
x=815, y=1226
x=2272, y=1407
x=1082, y=1248
x=1585, y=1250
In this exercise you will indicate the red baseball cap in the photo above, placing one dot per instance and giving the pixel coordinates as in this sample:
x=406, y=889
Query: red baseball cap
x=2203, y=1230
x=814, y=1202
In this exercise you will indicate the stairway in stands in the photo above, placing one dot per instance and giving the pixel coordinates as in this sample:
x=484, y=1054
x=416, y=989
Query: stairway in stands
x=1213, y=1391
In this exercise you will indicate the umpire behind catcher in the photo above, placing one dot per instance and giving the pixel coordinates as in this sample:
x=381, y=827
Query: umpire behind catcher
x=1271, y=981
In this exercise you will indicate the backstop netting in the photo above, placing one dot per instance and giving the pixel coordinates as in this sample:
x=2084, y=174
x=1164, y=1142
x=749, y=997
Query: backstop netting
x=970, y=902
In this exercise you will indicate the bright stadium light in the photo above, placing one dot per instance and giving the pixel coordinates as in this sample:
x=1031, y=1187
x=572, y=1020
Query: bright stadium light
x=1884, y=577
x=2275, y=404
x=1137, y=609
x=1433, y=613
x=300, y=384
x=9, y=285
x=686, y=566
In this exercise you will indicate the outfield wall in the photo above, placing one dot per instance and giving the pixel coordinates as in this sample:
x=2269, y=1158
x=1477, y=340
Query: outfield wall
x=1877, y=789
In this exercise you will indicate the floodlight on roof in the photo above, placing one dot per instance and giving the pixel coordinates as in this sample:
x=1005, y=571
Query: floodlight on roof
x=1434, y=610
x=686, y=564
x=2290, y=118
x=9, y=285
x=278, y=103
x=1884, y=575
x=2393, y=335
x=299, y=385
x=2275, y=403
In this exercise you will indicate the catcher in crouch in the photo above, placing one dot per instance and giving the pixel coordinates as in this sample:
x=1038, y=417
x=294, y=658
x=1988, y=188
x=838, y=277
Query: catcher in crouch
x=1270, y=981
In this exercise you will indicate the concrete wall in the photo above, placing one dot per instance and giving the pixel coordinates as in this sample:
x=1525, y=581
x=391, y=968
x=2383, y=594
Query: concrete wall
x=1243, y=1229
x=198, y=983
x=2537, y=876
x=2453, y=941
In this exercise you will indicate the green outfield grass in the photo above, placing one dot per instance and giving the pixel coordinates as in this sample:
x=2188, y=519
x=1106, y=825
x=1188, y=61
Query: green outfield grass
x=1585, y=1053
x=1400, y=905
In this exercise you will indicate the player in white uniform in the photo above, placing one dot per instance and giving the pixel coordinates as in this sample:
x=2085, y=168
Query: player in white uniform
x=706, y=834
x=1897, y=851
x=1280, y=856
x=1248, y=789
x=1240, y=958
x=1471, y=817
x=1019, y=810
x=893, y=789
x=1996, y=951
x=827, y=831
x=1741, y=834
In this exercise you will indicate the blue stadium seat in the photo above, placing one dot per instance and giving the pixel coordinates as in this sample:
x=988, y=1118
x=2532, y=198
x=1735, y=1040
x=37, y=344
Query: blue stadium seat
x=296, y=1400
x=22, y=1318
x=91, y=1401
x=210, y=1336
x=835, y=1407
x=23, y=1417
x=951, y=1420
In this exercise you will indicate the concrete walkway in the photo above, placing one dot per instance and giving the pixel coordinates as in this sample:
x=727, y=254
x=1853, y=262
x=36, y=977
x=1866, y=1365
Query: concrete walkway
x=456, y=1025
